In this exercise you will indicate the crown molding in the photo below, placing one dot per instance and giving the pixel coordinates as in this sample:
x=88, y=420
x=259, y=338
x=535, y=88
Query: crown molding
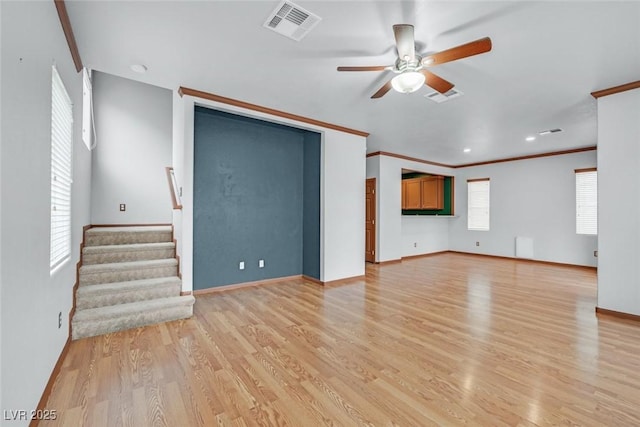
x=488, y=162
x=616, y=89
x=403, y=157
x=184, y=91
x=61, y=7
x=530, y=156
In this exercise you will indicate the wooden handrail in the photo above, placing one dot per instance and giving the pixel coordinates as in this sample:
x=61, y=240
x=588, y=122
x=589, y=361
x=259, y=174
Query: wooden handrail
x=173, y=188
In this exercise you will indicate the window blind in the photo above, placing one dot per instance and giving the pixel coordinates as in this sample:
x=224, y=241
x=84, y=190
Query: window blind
x=587, y=202
x=478, y=204
x=61, y=146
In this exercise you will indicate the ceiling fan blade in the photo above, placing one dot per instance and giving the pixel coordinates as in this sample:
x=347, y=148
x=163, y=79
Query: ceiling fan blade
x=382, y=91
x=405, y=40
x=372, y=68
x=459, y=52
x=436, y=82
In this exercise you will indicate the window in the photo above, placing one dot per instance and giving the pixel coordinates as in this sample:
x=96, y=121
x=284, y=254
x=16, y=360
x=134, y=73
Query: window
x=478, y=204
x=586, y=201
x=61, y=146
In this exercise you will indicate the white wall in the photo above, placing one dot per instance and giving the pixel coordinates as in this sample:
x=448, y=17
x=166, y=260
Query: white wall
x=342, y=205
x=619, y=202
x=178, y=170
x=31, y=297
x=342, y=192
x=390, y=237
x=423, y=234
x=1, y=293
x=134, y=137
x=183, y=120
x=389, y=215
x=531, y=198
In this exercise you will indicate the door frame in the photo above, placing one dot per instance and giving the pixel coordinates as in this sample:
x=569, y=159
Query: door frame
x=367, y=257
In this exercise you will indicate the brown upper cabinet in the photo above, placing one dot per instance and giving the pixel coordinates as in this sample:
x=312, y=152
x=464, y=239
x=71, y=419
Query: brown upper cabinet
x=432, y=189
x=425, y=192
x=412, y=193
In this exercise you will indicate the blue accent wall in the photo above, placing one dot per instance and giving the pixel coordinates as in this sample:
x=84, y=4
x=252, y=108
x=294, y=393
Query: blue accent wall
x=256, y=196
x=311, y=206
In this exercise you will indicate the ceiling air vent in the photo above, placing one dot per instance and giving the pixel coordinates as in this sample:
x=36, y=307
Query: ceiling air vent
x=291, y=20
x=549, y=132
x=443, y=97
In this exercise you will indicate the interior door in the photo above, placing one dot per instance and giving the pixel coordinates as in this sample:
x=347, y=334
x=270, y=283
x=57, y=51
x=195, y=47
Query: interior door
x=370, y=221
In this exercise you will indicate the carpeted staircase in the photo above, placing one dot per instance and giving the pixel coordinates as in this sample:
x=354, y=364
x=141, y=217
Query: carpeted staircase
x=128, y=278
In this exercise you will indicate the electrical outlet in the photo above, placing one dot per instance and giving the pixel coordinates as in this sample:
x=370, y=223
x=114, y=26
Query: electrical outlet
x=415, y=244
x=261, y=263
x=477, y=243
x=59, y=320
x=123, y=207
x=241, y=265
x=595, y=254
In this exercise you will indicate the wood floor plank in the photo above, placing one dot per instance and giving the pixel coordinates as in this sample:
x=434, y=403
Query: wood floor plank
x=100, y=415
x=141, y=412
x=447, y=340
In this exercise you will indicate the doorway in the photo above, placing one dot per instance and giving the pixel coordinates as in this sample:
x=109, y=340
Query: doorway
x=370, y=221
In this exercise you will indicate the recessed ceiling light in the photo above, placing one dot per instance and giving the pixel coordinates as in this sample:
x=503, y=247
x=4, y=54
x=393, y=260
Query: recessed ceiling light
x=139, y=68
x=530, y=138
x=467, y=150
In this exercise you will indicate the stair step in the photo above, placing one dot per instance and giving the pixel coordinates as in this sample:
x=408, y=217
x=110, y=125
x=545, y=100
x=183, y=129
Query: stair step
x=100, y=236
x=93, y=296
x=106, y=254
x=128, y=279
x=103, y=320
x=126, y=271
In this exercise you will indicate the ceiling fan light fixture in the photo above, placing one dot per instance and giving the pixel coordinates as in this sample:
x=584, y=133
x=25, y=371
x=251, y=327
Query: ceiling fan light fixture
x=408, y=82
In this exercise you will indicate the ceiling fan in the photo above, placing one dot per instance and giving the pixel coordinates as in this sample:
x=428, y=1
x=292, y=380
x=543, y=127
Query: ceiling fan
x=411, y=68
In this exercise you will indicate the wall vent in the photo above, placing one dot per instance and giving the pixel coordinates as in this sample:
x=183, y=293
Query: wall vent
x=291, y=21
x=524, y=247
x=443, y=97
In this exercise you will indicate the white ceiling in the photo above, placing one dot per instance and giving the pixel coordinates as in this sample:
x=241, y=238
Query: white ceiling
x=547, y=57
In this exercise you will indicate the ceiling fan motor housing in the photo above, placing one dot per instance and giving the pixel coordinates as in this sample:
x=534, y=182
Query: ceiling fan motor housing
x=410, y=64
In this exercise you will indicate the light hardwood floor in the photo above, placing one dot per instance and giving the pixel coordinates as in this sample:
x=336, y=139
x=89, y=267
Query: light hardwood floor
x=445, y=340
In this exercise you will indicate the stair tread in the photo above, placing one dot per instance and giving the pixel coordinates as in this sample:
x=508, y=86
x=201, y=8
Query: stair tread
x=130, y=229
x=128, y=265
x=99, y=313
x=127, y=247
x=106, y=288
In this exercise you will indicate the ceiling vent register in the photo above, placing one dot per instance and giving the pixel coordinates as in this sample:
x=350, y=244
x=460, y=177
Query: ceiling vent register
x=443, y=97
x=291, y=21
x=549, y=132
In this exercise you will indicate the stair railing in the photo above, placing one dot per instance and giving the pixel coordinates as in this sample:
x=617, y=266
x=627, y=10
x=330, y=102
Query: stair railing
x=174, y=190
